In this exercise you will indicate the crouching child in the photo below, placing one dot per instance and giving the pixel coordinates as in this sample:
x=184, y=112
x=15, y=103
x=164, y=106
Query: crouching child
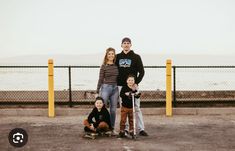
x=98, y=120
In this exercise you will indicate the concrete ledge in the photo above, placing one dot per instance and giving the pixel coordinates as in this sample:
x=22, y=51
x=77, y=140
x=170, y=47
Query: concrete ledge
x=216, y=111
x=85, y=111
x=23, y=112
x=185, y=111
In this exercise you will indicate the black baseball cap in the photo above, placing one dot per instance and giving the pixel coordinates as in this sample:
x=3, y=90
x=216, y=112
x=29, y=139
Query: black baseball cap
x=126, y=39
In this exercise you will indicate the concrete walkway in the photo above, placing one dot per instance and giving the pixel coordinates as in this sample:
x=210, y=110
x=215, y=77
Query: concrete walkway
x=195, y=131
x=77, y=111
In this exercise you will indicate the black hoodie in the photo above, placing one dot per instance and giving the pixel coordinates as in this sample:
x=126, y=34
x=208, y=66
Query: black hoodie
x=95, y=117
x=129, y=63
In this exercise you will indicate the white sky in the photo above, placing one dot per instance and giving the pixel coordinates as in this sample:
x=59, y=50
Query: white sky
x=29, y=27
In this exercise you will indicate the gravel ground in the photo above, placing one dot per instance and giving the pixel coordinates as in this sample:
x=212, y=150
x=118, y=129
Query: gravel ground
x=180, y=132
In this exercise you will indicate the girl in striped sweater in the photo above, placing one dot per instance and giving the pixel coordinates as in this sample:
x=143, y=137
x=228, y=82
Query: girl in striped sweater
x=107, y=85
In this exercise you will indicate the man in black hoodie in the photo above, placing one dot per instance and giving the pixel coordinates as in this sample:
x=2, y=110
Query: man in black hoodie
x=128, y=63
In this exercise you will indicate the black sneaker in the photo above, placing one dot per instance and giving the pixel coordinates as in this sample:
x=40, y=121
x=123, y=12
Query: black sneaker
x=143, y=133
x=98, y=131
x=132, y=135
x=121, y=134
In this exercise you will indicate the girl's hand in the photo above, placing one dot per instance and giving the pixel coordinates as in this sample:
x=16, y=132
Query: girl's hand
x=127, y=93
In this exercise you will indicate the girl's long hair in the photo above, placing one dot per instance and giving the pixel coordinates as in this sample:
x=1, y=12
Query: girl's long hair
x=106, y=55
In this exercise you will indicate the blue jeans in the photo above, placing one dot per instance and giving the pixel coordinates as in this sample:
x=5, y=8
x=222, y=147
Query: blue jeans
x=110, y=93
x=138, y=115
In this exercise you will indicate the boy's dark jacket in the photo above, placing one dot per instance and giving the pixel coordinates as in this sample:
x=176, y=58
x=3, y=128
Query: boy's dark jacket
x=102, y=116
x=127, y=100
x=129, y=63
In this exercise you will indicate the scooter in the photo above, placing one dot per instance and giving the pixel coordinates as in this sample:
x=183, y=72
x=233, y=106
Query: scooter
x=134, y=121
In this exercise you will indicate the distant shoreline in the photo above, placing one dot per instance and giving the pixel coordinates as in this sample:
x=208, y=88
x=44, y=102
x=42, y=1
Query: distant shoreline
x=96, y=59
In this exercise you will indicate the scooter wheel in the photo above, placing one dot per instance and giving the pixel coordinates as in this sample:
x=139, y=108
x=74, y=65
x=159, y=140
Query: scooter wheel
x=134, y=137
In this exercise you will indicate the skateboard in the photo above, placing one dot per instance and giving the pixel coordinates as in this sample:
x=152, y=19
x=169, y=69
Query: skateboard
x=90, y=135
x=96, y=135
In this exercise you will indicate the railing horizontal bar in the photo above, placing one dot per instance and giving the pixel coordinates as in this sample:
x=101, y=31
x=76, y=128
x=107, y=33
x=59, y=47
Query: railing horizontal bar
x=23, y=66
x=99, y=66
x=204, y=66
x=69, y=66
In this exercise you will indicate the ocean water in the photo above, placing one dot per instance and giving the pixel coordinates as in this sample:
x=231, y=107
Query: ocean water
x=87, y=78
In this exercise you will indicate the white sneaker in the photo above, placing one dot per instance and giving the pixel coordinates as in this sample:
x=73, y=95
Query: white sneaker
x=126, y=132
x=114, y=133
x=108, y=133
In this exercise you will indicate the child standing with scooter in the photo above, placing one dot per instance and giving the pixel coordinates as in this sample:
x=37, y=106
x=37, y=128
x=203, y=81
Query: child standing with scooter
x=128, y=94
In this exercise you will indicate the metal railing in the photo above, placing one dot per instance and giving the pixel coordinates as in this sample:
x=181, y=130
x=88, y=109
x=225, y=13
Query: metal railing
x=203, y=85
x=192, y=85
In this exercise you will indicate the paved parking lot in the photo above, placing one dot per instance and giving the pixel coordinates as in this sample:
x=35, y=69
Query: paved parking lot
x=180, y=132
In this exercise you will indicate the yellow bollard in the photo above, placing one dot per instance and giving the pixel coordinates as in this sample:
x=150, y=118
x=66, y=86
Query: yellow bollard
x=168, y=89
x=51, y=102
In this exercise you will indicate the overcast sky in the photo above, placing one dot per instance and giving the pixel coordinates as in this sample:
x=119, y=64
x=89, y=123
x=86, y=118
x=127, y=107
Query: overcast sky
x=29, y=27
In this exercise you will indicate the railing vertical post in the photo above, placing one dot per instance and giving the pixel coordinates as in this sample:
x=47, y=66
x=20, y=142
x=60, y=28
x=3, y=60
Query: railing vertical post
x=168, y=88
x=174, y=86
x=51, y=99
x=70, y=89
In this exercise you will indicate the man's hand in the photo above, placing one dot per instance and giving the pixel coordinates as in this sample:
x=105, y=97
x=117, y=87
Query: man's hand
x=135, y=87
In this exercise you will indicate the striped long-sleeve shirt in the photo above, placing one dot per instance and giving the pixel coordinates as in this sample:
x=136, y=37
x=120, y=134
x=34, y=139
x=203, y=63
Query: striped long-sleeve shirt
x=108, y=75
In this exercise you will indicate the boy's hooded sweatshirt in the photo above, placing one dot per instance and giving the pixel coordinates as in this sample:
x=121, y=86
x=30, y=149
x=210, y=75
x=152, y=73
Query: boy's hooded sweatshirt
x=129, y=63
x=127, y=100
x=95, y=117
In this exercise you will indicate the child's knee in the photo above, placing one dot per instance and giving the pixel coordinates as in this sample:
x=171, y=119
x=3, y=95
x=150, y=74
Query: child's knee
x=86, y=123
x=103, y=125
